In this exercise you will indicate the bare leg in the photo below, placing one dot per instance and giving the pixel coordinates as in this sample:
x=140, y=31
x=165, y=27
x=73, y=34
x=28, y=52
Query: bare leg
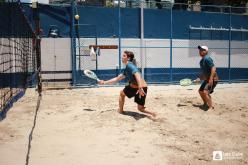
x=203, y=97
x=141, y=108
x=121, y=101
x=208, y=99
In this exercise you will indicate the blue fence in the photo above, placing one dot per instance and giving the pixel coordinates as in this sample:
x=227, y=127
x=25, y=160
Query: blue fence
x=171, y=34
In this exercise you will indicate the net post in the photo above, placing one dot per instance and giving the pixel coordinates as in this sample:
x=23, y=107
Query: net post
x=35, y=7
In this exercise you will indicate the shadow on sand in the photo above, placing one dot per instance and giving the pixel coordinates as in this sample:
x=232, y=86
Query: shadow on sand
x=202, y=107
x=88, y=109
x=135, y=115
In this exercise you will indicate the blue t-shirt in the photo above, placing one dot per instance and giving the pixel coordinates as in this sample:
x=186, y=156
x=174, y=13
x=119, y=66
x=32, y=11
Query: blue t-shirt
x=129, y=72
x=206, y=64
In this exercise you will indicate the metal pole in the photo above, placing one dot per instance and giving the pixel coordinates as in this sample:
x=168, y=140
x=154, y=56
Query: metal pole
x=55, y=59
x=171, y=36
x=229, y=45
x=96, y=52
x=73, y=50
x=119, y=23
x=142, y=38
x=35, y=7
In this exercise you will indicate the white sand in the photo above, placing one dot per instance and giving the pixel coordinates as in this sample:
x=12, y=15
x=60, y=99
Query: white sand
x=82, y=127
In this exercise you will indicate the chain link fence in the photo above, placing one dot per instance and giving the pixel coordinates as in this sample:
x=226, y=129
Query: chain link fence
x=171, y=54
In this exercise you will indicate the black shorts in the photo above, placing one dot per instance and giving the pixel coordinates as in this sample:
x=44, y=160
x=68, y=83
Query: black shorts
x=131, y=92
x=205, y=86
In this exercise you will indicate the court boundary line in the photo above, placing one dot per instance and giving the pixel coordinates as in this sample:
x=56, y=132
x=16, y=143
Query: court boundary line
x=30, y=137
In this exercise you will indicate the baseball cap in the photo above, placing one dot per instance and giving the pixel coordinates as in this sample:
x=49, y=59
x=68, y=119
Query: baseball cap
x=203, y=48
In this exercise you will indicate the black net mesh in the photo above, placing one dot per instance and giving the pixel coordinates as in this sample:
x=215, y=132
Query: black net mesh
x=17, y=53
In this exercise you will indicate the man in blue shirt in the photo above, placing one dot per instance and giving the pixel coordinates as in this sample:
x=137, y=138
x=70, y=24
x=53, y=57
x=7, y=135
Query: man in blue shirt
x=137, y=86
x=209, y=77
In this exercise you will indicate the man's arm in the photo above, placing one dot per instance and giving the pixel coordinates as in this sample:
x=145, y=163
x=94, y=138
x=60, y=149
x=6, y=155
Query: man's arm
x=139, y=82
x=213, y=72
x=113, y=80
x=138, y=79
x=211, y=78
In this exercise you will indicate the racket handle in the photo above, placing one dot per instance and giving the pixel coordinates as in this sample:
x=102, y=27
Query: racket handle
x=98, y=80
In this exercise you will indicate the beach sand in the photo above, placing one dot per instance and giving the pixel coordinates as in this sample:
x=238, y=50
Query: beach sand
x=82, y=127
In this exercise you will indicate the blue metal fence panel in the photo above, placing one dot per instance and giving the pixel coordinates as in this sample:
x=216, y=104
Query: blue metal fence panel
x=184, y=29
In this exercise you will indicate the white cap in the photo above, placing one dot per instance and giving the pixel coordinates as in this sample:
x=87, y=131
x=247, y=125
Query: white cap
x=203, y=48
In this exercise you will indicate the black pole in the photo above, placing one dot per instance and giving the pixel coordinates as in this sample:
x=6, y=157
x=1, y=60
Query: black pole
x=36, y=17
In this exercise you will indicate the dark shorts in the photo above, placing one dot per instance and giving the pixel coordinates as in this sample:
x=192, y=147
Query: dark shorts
x=205, y=86
x=131, y=92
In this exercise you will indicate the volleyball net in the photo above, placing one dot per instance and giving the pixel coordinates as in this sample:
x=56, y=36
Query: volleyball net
x=18, y=57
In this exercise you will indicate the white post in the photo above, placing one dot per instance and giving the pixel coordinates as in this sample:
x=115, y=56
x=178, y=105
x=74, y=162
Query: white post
x=142, y=57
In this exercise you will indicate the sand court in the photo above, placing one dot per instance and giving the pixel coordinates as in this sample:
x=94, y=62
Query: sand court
x=82, y=126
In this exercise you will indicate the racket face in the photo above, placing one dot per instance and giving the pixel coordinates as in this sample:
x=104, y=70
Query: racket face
x=185, y=82
x=90, y=74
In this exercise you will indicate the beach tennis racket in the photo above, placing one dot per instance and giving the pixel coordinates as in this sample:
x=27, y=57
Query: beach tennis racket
x=91, y=75
x=185, y=82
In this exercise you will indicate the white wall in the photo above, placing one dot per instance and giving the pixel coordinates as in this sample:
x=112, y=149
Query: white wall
x=40, y=1
x=56, y=56
x=185, y=54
